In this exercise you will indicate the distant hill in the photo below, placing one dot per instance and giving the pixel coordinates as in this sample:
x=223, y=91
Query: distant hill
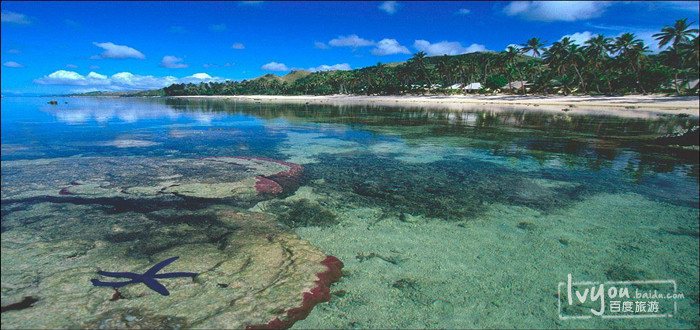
x=289, y=78
x=151, y=92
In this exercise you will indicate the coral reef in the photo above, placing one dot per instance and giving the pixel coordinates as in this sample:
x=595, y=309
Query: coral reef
x=66, y=219
x=244, y=180
x=449, y=190
x=250, y=269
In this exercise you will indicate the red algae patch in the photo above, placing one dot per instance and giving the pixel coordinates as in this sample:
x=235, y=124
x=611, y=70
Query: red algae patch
x=321, y=293
x=267, y=186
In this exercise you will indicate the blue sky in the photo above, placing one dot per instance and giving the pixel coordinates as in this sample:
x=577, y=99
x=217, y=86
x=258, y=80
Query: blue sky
x=59, y=47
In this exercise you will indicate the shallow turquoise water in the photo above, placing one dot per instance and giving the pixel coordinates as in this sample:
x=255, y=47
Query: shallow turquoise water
x=444, y=219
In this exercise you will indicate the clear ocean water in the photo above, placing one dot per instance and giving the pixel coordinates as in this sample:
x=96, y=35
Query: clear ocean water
x=443, y=219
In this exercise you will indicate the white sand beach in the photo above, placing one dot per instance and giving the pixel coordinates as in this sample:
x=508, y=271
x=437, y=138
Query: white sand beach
x=625, y=106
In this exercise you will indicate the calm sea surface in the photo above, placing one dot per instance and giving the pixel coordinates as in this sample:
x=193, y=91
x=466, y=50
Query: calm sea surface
x=443, y=219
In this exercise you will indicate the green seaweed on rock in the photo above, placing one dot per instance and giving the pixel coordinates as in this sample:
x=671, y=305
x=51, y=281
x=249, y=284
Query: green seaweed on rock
x=302, y=213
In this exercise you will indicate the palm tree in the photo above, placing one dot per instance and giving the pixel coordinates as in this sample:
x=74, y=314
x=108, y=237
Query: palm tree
x=596, y=51
x=379, y=75
x=631, y=50
x=509, y=57
x=693, y=50
x=418, y=58
x=444, y=68
x=679, y=33
x=562, y=56
x=555, y=57
x=576, y=58
x=533, y=45
x=461, y=66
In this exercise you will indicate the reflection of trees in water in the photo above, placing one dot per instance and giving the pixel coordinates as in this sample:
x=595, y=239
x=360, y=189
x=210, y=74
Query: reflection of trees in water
x=651, y=160
x=590, y=142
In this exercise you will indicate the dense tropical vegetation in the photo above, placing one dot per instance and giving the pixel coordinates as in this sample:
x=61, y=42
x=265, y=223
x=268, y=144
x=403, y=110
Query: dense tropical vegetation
x=618, y=65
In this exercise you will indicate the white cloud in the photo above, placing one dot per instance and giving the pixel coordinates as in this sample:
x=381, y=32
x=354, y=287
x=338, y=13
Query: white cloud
x=14, y=51
x=72, y=66
x=199, y=77
x=446, y=47
x=12, y=64
x=128, y=80
x=579, y=38
x=210, y=65
x=12, y=17
x=383, y=47
x=320, y=45
x=117, y=51
x=172, y=62
x=238, y=45
x=350, y=41
x=323, y=67
x=549, y=11
x=94, y=67
x=119, y=81
x=217, y=27
x=390, y=7
x=95, y=75
x=388, y=47
x=63, y=77
x=274, y=66
x=463, y=11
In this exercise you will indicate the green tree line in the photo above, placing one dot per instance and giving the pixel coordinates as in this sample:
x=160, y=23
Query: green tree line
x=603, y=65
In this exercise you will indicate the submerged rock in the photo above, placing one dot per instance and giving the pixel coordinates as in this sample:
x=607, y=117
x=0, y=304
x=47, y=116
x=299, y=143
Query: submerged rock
x=252, y=272
x=66, y=219
x=285, y=174
x=244, y=179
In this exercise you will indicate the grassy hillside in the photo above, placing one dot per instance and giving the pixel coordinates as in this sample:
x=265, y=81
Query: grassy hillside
x=289, y=78
x=151, y=92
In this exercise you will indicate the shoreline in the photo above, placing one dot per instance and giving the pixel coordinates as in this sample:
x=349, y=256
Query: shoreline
x=624, y=106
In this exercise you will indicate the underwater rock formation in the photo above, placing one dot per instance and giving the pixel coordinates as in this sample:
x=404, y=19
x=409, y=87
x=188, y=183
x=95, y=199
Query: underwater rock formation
x=66, y=219
x=252, y=272
x=319, y=294
x=285, y=174
x=243, y=179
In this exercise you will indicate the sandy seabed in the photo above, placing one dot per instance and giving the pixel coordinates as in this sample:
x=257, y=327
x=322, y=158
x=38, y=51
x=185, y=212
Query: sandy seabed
x=488, y=273
x=624, y=106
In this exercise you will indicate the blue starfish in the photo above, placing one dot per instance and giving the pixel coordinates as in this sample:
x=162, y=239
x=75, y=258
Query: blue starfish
x=148, y=278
